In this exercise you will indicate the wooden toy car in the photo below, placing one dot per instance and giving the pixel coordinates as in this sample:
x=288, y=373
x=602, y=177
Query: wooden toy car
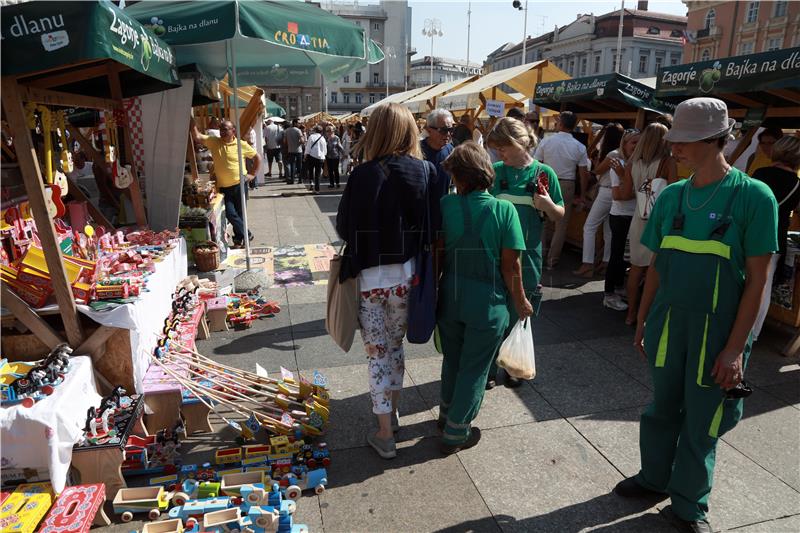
x=232, y=483
x=312, y=479
x=150, y=500
x=228, y=455
x=223, y=521
x=197, y=508
x=164, y=526
x=196, y=490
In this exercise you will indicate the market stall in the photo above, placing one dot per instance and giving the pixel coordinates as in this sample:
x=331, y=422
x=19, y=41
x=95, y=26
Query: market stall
x=426, y=101
x=760, y=90
x=395, y=98
x=93, y=71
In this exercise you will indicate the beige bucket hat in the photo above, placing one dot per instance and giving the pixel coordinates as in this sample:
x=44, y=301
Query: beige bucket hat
x=697, y=119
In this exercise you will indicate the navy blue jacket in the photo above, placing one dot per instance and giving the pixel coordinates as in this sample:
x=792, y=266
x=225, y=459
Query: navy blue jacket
x=443, y=183
x=382, y=212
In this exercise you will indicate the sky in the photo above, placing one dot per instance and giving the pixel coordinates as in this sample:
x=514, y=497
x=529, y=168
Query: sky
x=496, y=22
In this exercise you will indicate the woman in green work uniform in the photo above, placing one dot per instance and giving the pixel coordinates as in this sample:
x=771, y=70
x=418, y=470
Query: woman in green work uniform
x=712, y=236
x=533, y=188
x=479, y=260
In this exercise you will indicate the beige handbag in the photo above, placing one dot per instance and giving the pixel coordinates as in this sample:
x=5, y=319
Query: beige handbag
x=341, y=320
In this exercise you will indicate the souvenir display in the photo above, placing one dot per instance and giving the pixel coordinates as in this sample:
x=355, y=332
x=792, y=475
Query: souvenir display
x=27, y=383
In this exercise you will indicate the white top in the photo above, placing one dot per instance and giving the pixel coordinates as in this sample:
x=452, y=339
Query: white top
x=316, y=146
x=211, y=132
x=562, y=152
x=272, y=136
x=385, y=276
x=624, y=208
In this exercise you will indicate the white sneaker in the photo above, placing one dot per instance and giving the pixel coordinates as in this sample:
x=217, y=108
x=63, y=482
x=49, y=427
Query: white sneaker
x=621, y=292
x=612, y=301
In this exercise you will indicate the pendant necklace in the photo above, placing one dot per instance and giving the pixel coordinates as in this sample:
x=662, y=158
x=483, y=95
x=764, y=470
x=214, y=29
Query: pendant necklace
x=713, y=194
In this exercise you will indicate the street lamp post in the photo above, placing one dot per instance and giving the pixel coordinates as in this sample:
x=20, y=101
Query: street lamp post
x=388, y=54
x=518, y=5
x=433, y=28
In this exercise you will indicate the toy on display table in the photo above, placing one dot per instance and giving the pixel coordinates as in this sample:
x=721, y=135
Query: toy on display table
x=244, y=309
x=76, y=510
x=153, y=454
x=150, y=500
x=27, y=383
x=24, y=508
x=111, y=422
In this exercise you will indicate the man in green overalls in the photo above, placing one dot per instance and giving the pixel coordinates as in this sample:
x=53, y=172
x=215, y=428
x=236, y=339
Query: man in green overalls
x=481, y=267
x=533, y=188
x=712, y=235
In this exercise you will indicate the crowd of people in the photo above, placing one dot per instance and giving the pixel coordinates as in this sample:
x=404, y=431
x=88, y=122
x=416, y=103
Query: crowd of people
x=700, y=256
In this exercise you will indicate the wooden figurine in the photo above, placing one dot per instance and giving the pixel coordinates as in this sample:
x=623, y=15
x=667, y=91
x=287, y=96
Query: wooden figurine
x=76, y=509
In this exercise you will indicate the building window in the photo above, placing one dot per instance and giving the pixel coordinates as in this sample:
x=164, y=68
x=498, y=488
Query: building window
x=676, y=33
x=780, y=8
x=706, y=55
x=746, y=48
x=371, y=98
x=674, y=60
x=334, y=97
x=752, y=12
x=376, y=78
x=659, y=63
x=584, y=61
x=614, y=62
x=346, y=79
x=346, y=97
x=358, y=23
x=358, y=98
x=773, y=43
x=358, y=77
x=571, y=67
x=711, y=18
x=376, y=26
x=653, y=30
x=643, y=61
x=597, y=64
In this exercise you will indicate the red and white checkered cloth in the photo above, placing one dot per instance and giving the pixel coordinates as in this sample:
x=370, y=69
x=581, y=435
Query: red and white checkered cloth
x=133, y=107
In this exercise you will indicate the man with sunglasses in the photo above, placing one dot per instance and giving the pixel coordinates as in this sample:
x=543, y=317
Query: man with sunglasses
x=435, y=148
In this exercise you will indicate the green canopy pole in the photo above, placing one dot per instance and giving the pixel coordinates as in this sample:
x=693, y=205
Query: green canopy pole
x=242, y=180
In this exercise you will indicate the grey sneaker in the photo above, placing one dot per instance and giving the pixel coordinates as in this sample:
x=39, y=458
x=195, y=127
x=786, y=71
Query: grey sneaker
x=395, y=421
x=385, y=448
x=612, y=301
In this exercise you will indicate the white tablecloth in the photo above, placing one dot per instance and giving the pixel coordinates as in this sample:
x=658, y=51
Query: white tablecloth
x=145, y=317
x=42, y=436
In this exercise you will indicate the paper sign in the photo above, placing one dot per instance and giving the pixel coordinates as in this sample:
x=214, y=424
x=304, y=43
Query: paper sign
x=495, y=108
x=286, y=375
x=261, y=372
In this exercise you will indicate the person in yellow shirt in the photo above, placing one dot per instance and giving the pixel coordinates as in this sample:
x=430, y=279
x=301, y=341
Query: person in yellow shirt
x=225, y=154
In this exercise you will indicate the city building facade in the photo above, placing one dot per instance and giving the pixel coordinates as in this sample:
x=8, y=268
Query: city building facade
x=389, y=24
x=588, y=45
x=732, y=28
x=444, y=70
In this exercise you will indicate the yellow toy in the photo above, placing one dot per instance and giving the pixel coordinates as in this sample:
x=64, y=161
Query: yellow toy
x=26, y=507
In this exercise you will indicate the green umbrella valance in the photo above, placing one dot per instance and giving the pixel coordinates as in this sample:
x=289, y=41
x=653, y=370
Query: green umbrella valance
x=48, y=36
x=762, y=78
x=275, y=41
x=610, y=92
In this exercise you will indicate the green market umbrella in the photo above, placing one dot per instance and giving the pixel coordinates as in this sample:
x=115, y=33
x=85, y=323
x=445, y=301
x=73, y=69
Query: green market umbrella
x=259, y=43
x=597, y=94
x=42, y=39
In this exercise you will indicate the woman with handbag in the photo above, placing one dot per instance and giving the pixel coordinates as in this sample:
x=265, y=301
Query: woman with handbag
x=381, y=216
x=481, y=268
x=712, y=236
x=649, y=170
x=533, y=188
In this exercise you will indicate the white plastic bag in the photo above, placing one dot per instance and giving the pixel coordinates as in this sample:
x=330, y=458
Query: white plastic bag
x=516, y=353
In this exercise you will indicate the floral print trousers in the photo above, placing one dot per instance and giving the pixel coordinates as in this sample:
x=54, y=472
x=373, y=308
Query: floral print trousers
x=383, y=315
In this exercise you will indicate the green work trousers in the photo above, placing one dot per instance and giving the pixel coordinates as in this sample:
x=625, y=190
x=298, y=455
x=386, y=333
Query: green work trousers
x=680, y=429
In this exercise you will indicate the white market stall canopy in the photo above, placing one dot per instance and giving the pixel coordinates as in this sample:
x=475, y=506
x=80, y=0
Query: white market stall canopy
x=396, y=98
x=522, y=78
x=426, y=101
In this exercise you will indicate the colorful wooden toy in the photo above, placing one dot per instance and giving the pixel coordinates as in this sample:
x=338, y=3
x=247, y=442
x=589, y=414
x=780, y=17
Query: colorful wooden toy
x=150, y=500
x=164, y=526
x=76, y=509
x=25, y=507
x=223, y=521
x=312, y=479
x=232, y=483
x=197, y=508
x=192, y=489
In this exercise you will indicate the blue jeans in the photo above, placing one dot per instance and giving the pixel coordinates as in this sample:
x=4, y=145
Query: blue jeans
x=233, y=211
x=294, y=166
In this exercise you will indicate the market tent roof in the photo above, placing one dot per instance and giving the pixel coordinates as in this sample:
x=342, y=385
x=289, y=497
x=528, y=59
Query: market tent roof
x=206, y=87
x=522, y=78
x=609, y=93
x=275, y=41
x=70, y=43
x=395, y=98
x=767, y=83
x=419, y=102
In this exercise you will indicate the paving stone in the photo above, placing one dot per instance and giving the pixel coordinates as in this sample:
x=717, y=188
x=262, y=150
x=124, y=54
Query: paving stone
x=615, y=434
x=564, y=369
x=769, y=425
x=789, y=524
x=351, y=409
x=308, y=512
x=745, y=493
x=619, y=351
x=501, y=406
x=768, y=367
x=270, y=350
x=788, y=392
x=315, y=294
x=308, y=317
x=551, y=479
x=417, y=491
x=316, y=349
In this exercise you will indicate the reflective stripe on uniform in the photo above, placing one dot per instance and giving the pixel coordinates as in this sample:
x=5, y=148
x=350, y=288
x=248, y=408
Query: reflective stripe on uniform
x=661, y=354
x=716, y=291
x=713, y=430
x=514, y=199
x=676, y=242
x=702, y=362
